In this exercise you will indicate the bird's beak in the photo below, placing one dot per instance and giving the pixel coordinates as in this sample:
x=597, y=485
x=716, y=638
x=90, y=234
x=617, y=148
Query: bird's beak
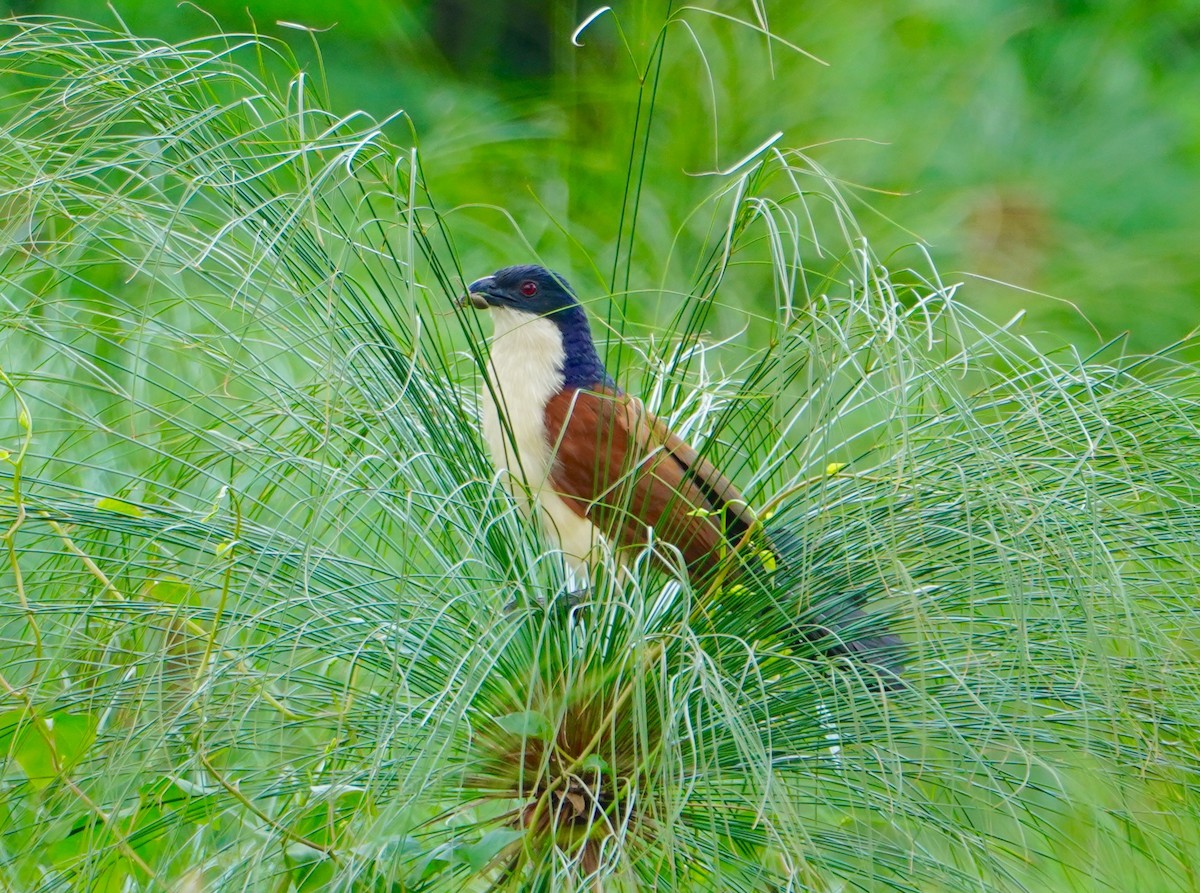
x=477, y=293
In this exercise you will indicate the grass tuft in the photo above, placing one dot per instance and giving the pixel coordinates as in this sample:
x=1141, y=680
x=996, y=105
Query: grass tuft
x=275, y=623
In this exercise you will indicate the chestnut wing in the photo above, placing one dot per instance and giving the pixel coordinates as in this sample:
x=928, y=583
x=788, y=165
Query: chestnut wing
x=621, y=468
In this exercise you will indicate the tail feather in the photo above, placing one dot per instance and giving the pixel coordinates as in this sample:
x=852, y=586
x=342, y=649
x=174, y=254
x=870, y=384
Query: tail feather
x=859, y=636
x=830, y=606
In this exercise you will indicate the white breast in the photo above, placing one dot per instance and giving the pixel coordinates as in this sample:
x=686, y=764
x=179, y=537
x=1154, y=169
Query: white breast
x=525, y=371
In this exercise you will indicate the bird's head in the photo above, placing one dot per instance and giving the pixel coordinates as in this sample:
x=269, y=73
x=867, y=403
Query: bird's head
x=526, y=289
x=528, y=296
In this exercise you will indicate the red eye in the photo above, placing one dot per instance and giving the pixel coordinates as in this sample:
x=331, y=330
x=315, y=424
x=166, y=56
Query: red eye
x=529, y=288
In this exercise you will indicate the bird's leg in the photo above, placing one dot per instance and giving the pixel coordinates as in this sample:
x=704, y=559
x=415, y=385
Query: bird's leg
x=573, y=598
x=574, y=592
x=577, y=581
x=567, y=598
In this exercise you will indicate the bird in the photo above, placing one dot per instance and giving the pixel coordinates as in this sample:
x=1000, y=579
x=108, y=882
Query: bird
x=599, y=471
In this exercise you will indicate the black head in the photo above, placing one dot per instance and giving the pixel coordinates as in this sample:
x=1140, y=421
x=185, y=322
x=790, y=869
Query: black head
x=527, y=288
x=537, y=291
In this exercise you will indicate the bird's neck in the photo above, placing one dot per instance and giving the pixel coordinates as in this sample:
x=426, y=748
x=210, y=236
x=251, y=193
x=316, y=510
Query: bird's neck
x=526, y=353
x=582, y=367
x=542, y=349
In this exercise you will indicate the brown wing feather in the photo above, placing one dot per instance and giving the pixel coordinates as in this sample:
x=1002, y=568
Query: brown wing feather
x=621, y=468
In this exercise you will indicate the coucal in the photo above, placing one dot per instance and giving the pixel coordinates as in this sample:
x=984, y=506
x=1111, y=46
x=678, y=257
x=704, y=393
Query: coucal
x=602, y=472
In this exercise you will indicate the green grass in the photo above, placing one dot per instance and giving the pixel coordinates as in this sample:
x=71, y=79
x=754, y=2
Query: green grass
x=274, y=623
x=1054, y=146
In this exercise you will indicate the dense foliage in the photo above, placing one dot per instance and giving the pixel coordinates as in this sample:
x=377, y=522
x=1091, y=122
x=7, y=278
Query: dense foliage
x=1052, y=144
x=273, y=622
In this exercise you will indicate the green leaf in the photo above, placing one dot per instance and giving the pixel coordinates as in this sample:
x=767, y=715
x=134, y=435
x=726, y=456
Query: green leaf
x=480, y=854
x=9, y=720
x=596, y=762
x=527, y=724
x=310, y=869
x=70, y=734
x=324, y=817
x=33, y=755
x=173, y=591
x=109, y=504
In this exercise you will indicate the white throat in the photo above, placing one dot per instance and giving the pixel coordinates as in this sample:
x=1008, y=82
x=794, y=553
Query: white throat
x=525, y=369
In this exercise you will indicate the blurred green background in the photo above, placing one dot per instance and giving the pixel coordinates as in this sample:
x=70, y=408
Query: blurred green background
x=1053, y=145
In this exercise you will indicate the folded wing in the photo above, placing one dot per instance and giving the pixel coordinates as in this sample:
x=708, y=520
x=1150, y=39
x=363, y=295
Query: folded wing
x=621, y=468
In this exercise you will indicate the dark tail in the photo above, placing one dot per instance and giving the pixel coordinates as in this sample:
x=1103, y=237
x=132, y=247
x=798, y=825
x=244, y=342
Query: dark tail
x=830, y=605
